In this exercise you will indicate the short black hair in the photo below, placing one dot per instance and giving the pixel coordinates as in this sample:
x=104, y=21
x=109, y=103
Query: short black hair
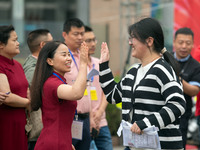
x=73, y=22
x=5, y=33
x=186, y=31
x=88, y=29
x=34, y=38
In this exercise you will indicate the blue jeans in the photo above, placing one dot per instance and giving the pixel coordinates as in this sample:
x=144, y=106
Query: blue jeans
x=104, y=141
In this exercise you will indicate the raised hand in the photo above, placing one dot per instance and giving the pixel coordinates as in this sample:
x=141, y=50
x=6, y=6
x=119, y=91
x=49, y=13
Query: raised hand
x=105, y=55
x=84, y=53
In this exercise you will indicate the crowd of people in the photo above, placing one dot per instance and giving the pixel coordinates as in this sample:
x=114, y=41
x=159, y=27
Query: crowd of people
x=51, y=94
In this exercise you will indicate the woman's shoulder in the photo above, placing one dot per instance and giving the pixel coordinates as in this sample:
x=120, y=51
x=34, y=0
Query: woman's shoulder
x=163, y=70
x=162, y=65
x=53, y=81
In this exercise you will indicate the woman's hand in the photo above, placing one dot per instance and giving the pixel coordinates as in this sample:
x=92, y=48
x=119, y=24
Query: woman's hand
x=105, y=56
x=136, y=129
x=73, y=148
x=2, y=97
x=84, y=53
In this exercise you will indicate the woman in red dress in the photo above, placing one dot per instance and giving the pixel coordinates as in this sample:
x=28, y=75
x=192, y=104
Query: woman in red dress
x=13, y=83
x=56, y=98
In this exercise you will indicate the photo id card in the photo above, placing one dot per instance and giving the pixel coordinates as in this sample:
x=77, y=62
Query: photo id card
x=77, y=130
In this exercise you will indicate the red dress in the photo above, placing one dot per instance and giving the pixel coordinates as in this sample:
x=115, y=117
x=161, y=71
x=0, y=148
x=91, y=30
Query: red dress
x=12, y=119
x=57, y=117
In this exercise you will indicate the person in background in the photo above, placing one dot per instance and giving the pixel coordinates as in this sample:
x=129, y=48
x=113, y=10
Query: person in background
x=189, y=73
x=36, y=40
x=14, y=84
x=99, y=103
x=151, y=93
x=56, y=98
x=73, y=32
x=196, y=56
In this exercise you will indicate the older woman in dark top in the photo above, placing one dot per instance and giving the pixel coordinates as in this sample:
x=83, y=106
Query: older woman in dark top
x=13, y=83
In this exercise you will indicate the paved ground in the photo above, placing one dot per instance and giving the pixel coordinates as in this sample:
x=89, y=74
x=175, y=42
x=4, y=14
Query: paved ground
x=188, y=147
x=118, y=148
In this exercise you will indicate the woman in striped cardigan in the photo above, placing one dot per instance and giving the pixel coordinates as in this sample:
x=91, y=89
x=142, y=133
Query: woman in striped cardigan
x=150, y=92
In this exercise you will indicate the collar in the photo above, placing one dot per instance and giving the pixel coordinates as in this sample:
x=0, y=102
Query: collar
x=183, y=59
x=10, y=61
x=59, y=75
x=34, y=56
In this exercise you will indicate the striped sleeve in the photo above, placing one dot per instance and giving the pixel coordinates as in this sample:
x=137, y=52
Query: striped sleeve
x=111, y=89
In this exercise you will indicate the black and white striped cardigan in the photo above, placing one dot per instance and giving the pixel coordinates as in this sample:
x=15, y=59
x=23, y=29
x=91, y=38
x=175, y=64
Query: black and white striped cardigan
x=157, y=100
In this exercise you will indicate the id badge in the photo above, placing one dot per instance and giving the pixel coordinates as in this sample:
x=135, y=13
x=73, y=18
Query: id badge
x=93, y=94
x=77, y=129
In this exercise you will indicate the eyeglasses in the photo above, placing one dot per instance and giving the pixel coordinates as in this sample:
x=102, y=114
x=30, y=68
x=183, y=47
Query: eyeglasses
x=130, y=39
x=91, y=40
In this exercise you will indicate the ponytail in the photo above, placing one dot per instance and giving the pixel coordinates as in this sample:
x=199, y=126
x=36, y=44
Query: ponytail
x=171, y=60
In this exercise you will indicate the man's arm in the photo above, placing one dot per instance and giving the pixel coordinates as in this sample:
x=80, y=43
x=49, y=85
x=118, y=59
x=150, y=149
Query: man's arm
x=191, y=90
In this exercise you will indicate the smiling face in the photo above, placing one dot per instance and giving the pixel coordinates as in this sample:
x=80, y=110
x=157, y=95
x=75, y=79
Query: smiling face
x=61, y=62
x=183, y=45
x=11, y=49
x=138, y=48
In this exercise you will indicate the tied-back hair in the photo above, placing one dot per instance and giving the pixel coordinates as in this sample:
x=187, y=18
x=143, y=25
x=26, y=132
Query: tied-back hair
x=5, y=33
x=42, y=72
x=150, y=27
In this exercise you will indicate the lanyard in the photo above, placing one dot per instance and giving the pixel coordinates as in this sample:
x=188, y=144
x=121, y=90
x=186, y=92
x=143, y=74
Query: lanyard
x=76, y=114
x=59, y=77
x=73, y=59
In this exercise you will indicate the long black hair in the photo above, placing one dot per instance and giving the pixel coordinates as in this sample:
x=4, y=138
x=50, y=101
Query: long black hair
x=42, y=72
x=149, y=27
